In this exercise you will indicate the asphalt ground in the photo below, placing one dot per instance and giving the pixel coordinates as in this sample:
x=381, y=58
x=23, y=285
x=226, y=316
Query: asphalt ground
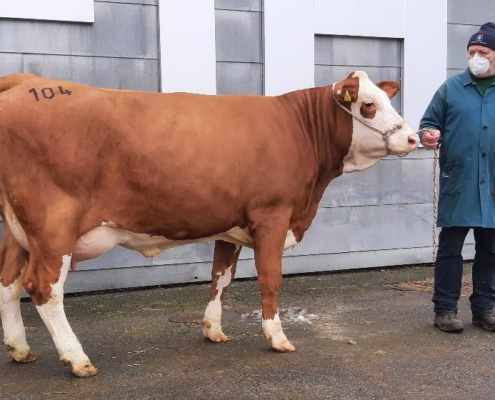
x=364, y=334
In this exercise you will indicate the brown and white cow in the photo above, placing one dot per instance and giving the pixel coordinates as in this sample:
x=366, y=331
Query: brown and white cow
x=84, y=169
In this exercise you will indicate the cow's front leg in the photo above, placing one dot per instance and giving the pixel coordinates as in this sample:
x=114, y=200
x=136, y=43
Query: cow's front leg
x=13, y=259
x=224, y=266
x=269, y=230
x=49, y=299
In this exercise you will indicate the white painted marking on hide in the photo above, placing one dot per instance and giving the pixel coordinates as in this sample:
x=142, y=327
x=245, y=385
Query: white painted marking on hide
x=53, y=316
x=13, y=327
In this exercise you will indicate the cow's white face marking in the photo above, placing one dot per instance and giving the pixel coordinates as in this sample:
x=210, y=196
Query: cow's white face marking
x=368, y=146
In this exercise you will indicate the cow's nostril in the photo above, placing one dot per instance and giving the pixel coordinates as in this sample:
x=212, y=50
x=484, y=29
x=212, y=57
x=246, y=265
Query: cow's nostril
x=413, y=140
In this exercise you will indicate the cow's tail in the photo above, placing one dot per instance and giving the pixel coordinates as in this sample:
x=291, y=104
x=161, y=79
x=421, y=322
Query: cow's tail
x=8, y=82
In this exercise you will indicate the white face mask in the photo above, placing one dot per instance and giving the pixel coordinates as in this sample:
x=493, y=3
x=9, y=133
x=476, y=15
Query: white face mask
x=479, y=65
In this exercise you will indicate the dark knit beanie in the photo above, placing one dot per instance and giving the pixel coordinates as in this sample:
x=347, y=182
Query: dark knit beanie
x=484, y=37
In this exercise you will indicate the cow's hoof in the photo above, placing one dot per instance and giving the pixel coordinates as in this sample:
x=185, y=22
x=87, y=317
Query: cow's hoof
x=23, y=357
x=216, y=336
x=85, y=371
x=213, y=332
x=283, y=347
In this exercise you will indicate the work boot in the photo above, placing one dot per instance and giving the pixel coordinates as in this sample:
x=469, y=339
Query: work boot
x=448, y=322
x=486, y=321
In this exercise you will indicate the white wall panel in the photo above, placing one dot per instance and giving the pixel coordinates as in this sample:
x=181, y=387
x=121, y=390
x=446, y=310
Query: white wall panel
x=187, y=44
x=425, y=55
x=53, y=10
x=289, y=45
x=379, y=18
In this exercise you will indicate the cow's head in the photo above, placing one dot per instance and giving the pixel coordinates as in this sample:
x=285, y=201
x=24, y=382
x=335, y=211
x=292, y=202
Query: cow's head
x=378, y=130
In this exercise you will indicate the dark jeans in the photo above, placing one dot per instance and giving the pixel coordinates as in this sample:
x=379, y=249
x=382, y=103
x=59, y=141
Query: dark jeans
x=448, y=270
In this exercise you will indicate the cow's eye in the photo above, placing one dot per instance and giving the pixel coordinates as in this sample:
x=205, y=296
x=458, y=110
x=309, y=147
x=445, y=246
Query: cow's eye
x=368, y=104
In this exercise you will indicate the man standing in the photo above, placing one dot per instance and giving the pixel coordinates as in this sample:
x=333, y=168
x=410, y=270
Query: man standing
x=461, y=116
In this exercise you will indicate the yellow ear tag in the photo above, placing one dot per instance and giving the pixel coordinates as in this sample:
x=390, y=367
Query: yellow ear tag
x=347, y=97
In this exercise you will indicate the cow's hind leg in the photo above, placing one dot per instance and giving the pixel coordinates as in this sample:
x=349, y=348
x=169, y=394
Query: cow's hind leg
x=13, y=260
x=44, y=281
x=224, y=266
x=269, y=230
x=14, y=333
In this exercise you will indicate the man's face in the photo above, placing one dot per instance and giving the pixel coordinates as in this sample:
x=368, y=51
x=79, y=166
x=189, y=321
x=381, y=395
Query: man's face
x=485, y=52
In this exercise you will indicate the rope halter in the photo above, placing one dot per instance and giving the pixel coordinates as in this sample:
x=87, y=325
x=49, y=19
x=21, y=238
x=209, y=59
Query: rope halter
x=385, y=133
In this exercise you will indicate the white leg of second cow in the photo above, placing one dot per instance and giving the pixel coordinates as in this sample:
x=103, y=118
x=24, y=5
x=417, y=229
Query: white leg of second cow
x=13, y=327
x=54, y=317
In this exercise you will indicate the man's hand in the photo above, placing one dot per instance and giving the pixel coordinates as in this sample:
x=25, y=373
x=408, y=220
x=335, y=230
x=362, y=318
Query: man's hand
x=430, y=138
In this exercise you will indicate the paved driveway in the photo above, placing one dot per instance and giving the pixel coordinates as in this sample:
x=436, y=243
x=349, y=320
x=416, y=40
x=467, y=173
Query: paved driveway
x=359, y=335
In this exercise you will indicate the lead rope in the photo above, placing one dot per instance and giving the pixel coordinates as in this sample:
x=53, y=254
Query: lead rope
x=435, y=205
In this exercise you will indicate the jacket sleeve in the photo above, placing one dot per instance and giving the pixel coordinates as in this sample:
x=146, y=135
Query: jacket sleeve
x=434, y=116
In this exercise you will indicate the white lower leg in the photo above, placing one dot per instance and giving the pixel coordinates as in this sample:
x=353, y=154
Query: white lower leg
x=213, y=314
x=272, y=328
x=13, y=327
x=67, y=344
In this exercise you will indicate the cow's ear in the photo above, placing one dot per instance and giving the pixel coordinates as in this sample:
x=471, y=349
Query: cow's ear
x=389, y=87
x=346, y=91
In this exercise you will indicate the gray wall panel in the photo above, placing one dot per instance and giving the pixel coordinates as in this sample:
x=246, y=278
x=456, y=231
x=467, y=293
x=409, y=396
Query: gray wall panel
x=235, y=78
x=117, y=73
x=240, y=5
x=390, y=181
x=10, y=63
x=238, y=36
x=398, y=226
x=475, y=12
x=120, y=30
x=239, y=47
x=327, y=74
x=352, y=229
x=146, y=2
x=457, y=39
x=349, y=51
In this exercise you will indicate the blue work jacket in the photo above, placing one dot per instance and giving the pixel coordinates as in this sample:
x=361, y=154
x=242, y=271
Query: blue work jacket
x=466, y=119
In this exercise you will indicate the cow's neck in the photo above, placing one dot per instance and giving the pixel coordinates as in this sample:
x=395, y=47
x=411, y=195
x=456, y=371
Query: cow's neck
x=329, y=131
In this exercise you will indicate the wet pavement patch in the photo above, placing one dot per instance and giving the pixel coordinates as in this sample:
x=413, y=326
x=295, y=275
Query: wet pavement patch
x=426, y=285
